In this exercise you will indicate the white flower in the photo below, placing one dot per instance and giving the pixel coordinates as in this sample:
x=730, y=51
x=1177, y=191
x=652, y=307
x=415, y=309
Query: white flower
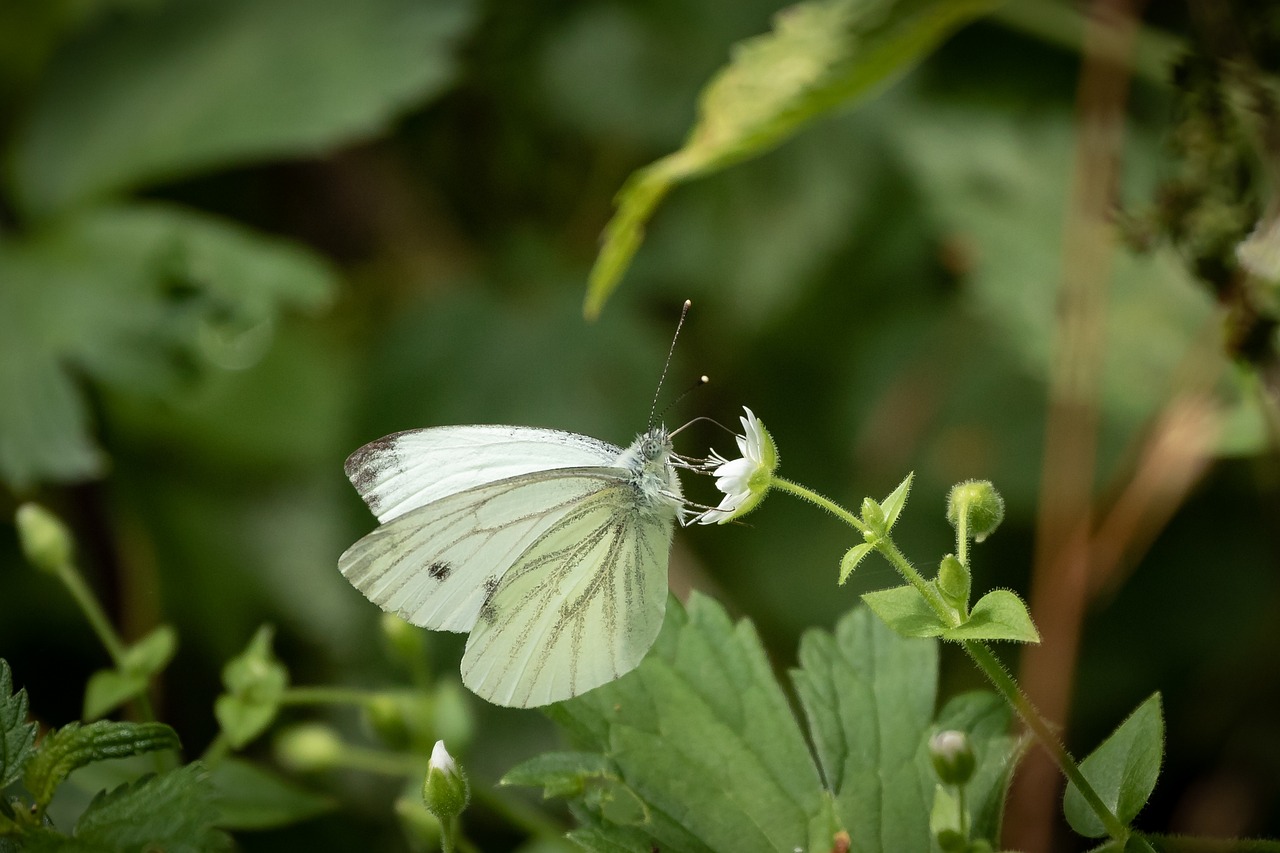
x=744, y=481
x=441, y=760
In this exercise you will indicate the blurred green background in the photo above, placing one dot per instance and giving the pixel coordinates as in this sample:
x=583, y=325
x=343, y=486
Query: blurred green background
x=239, y=239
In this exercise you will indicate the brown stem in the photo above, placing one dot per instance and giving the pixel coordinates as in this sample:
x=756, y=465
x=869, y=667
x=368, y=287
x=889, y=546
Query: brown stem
x=1060, y=577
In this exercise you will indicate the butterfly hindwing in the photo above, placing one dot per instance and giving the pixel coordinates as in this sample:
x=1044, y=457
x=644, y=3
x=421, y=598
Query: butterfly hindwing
x=401, y=472
x=437, y=564
x=580, y=607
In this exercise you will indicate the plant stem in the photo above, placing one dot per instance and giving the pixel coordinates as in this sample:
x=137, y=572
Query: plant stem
x=88, y=603
x=1005, y=685
x=813, y=497
x=890, y=552
x=327, y=696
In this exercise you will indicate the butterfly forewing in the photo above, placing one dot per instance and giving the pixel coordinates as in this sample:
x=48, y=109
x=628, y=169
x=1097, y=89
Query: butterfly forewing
x=579, y=608
x=438, y=564
x=410, y=469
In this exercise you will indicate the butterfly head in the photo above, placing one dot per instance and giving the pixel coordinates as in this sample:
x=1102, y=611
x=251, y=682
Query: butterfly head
x=648, y=462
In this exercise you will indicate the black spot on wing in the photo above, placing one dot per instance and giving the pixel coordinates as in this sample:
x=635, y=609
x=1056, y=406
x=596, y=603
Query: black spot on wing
x=439, y=570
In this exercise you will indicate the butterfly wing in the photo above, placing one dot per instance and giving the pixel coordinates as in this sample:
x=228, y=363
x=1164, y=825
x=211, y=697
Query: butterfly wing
x=407, y=470
x=580, y=607
x=437, y=564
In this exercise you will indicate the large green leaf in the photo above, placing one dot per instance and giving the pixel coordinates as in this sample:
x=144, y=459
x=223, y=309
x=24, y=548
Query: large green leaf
x=138, y=296
x=202, y=84
x=707, y=753
x=820, y=56
x=1122, y=770
x=73, y=746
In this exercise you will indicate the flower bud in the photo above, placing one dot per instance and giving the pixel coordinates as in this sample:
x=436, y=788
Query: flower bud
x=873, y=515
x=952, y=757
x=954, y=583
x=311, y=746
x=45, y=540
x=978, y=502
x=445, y=790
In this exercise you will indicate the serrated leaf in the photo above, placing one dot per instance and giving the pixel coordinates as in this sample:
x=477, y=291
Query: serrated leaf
x=897, y=499
x=73, y=746
x=1122, y=770
x=255, y=682
x=905, y=610
x=852, y=558
x=204, y=84
x=998, y=615
x=868, y=695
x=141, y=297
x=174, y=812
x=703, y=736
x=252, y=797
x=108, y=689
x=561, y=774
x=16, y=734
x=821, y=55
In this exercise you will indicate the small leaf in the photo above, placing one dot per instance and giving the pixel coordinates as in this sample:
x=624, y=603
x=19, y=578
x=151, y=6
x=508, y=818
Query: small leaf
x=174, y=811
x=152, y=653
x=561, y=774
x=852, y=558
x=905, y=610
x=255, y=682
x=998, y=615
x=821, y=55
x=108, y=689
x=897, y=499
x=252, y=797
x=16, y=734
x=1122, y=770
x=73, y=746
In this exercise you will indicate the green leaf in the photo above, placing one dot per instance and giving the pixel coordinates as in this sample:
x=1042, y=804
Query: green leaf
x=998, y=615
x=73, y=746
x=905, y=610
x=820, y=56
x=152, y=653
x=204, y=84
x=893, y=504
x=852, y=558
x=704, y=738
x=868, y=695
x=140, y=297
x=16, y=734
x=561, y=774
x=108, y=689
x=173, y=812
x=252, y=797
x=255, y=682
x=1122, y=770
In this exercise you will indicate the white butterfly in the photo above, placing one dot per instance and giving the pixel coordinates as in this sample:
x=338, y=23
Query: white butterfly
x=550, y=548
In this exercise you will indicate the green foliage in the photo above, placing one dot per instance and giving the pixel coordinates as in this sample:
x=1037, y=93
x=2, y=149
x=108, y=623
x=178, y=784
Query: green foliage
x=16, y=734
x=1123, y=770
x=906, y=611
x=140, y=296
x=252, y=797
x=255, y=682
x=697, y=750
x=107, y=689
x=173, y=811
x=160, y=96
x=73, y=746
x=998, y=615
x=822, y=54
x=897, y=499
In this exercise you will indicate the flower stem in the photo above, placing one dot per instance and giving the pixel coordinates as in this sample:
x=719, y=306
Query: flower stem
x=813, y=497
x=1005, y=685
x=93, y=612
x=327, y=696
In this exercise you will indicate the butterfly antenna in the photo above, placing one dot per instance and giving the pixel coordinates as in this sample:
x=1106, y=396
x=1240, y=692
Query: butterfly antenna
x=684, y=311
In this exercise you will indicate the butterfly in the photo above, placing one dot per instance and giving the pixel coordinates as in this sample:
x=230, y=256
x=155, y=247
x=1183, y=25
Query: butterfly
x=548, y=547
